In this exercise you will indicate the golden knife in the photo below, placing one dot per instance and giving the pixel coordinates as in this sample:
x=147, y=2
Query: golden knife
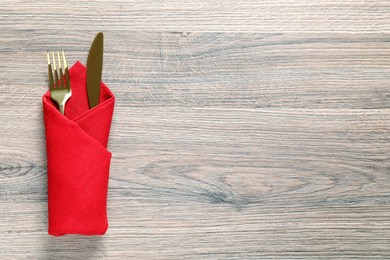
x=94, y=70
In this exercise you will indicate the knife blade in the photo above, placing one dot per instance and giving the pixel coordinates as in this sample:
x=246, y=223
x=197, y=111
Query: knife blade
x=94, y=70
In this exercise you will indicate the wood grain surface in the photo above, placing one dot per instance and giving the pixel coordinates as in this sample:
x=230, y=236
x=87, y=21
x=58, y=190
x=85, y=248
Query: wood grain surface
x=242, y=129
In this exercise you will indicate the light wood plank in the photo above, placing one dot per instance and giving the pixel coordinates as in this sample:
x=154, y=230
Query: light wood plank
x=243, y=70
x=206, y=16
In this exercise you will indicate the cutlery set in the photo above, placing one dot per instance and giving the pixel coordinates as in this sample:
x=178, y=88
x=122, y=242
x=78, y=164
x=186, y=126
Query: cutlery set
x=59, y=81
x=77, y=113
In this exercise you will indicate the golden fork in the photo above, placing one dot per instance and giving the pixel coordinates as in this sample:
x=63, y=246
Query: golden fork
x=59, y=87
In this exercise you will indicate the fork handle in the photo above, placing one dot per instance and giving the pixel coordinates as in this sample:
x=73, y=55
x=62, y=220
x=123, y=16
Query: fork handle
x=62, y=109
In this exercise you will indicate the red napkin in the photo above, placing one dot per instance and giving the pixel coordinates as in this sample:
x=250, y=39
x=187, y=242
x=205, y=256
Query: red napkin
x=78, y=161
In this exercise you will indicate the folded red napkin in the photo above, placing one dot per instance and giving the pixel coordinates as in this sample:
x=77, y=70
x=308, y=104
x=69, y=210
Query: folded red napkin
x=78, y=161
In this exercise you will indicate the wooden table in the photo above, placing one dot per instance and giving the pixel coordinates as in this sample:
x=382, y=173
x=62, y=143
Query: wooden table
x=242, y=129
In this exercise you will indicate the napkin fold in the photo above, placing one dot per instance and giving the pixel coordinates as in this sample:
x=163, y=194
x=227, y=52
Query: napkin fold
x=78, y=161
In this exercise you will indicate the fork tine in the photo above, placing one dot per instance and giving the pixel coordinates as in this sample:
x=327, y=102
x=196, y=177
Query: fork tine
x=67, y=82
x=61, y=83
x=50, y=72
x=55, y=70
x=64, y=59
x=48, y=58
